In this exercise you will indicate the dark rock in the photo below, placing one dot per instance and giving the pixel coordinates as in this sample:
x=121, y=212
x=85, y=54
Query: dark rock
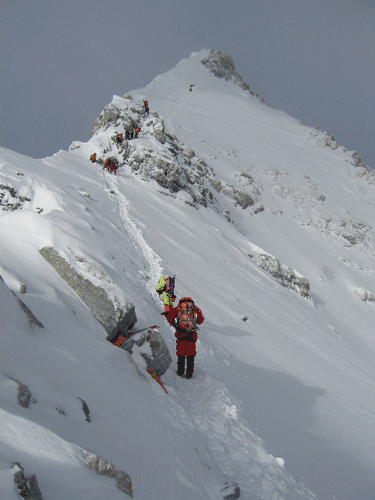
x=230, y=491
x=86, y=410
x=24, y=396
x=27, y=487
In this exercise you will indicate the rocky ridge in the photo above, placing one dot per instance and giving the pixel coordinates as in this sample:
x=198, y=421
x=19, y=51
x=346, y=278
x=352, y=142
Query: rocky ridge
x=174, y=166
x=222, y=66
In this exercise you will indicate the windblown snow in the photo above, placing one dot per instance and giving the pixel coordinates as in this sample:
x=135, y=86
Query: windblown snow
x=269, y=225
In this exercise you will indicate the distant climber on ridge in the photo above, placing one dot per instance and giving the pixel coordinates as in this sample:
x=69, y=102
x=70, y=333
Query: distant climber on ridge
x=111, y=164
x=145, y=105
x=119, y=139
x=184, y=318
x=136, y=132
x=93, y=158
x=165, y=288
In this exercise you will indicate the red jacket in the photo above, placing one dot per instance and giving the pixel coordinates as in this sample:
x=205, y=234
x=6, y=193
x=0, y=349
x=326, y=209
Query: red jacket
x=185, y=345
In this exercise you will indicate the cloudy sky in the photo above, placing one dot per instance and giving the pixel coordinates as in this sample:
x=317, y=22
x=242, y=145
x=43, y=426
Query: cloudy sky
x=62, y=61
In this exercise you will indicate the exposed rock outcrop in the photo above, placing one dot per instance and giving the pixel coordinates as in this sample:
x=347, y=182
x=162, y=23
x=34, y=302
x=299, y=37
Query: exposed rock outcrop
x=27, y=486
x=9, y=199
x=283, y=274
x=112, y=315
x=175, y=167
x=86, y=410
x=324, y=139
x=222, y=66
x=152, y=348
x=108, y=116
x=364, y=295
x=105, y=468
x=346, y=231
x=241, y=198
x=124, y=114
x=230, y=491
x=24, y=396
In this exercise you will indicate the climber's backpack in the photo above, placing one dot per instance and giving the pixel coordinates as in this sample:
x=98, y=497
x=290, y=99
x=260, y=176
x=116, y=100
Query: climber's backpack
x=186, y=318
x=169, y=285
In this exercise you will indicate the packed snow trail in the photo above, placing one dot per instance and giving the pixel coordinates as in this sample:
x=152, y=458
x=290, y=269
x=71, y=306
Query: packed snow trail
x=235, y=452
x=151, y=261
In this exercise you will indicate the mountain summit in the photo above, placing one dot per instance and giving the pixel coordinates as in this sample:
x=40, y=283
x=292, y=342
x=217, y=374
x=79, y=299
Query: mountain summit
x=268, y=224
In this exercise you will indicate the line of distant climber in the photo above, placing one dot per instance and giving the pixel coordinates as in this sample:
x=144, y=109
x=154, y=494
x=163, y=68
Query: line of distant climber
x=111, y=164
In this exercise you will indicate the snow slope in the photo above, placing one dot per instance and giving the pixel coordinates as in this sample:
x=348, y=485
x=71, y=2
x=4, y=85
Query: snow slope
x=282, y=403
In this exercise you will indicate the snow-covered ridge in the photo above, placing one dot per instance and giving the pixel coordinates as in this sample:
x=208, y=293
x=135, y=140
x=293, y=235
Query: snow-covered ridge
x=282, y=400
x=174, y=166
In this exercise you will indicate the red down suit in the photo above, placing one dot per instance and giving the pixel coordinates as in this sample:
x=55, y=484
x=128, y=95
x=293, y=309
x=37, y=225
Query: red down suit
x=185, y=344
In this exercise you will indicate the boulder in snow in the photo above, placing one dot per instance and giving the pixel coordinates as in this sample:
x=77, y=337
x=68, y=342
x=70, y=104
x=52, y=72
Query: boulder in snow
x=230, y=491
x=111, y=314
x=152, y=348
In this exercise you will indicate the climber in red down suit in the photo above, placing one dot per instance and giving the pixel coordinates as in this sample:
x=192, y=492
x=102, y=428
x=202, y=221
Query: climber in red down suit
x=184, y=318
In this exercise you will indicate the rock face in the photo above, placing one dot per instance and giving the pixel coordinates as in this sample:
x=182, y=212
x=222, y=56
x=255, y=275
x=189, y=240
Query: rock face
x=24, y=396
x=105, y=468
x=222, y=66
x=242, y=199
x=174, y=166
x=123, y=113
x=112, y=315
x=27, y=486
x=152, y=348
x=109, y=115
x=230, y=491
x=283, y=274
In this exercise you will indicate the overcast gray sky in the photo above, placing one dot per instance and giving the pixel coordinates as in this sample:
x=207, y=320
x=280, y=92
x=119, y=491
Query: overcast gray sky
x=62, y=61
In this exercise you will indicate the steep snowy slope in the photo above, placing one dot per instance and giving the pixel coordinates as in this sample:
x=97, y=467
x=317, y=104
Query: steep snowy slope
x=268, y=224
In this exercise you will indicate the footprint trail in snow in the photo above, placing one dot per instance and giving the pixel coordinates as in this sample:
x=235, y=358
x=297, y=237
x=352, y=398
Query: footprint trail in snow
x=152, y=261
